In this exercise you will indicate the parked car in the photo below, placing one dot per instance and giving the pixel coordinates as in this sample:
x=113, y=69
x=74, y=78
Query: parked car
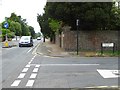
x=38, y=38
x=26, y=41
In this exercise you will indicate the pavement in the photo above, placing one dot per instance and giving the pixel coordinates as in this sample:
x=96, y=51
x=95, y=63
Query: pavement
x=49, y=49
x=10, y=44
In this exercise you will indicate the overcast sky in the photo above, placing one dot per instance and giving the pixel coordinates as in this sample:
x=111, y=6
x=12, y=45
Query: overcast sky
x=28, y=9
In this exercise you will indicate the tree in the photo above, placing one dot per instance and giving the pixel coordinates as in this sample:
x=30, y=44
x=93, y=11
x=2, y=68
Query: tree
x=44, y=24
x=32, y=32
x=55, y=26
x=15, y=27
x=91, y=15
x=115, y=18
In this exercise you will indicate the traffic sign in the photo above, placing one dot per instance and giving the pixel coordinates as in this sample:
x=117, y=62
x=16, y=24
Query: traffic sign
x=6, y=25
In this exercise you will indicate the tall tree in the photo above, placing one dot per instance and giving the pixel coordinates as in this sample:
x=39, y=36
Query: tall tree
x=32, y=32
x=44, y=24
x=92, y=15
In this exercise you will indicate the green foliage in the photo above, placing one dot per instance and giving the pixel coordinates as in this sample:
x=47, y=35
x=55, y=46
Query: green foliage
x=54, y=25
x=32, y=32
x=8, y=32
x=17, y=26
x=115, y=19
x=92, y=15
x=44, y=24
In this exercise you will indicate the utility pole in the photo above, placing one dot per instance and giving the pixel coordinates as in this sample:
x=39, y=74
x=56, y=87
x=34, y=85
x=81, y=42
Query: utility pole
x=77, y=24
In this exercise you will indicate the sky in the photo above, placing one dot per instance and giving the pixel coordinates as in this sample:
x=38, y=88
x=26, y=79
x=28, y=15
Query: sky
x=27, y=9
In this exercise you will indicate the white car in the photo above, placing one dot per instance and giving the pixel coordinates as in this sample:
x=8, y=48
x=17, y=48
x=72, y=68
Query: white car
x=38, y=38
x=26, y=41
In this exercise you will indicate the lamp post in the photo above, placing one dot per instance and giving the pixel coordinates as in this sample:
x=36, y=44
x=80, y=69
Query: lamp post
x=77, y=24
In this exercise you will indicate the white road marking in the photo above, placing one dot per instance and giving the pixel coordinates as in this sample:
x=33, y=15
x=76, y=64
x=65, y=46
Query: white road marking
x=103, y=87
x=69, y=64
x=34, y=55
x=37, y=66
x=34, y=51
x=33, y=75
x=64, y=64
x=27, y=65
x=108, y=73
x=30, y=82
x=16, y=83
x=25, y=70
x=35, y=70
x=22, y=75
x=29, y=50
x=29, y=62
x=32, y=58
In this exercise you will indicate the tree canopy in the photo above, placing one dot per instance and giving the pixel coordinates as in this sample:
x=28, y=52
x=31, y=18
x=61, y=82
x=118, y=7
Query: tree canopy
x=91, y=15
x=17, y=27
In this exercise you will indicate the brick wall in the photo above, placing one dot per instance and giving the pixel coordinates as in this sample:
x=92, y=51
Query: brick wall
x=88, y=40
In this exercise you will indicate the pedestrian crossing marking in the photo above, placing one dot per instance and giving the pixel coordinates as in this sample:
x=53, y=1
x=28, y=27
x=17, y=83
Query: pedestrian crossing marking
x=16, y=83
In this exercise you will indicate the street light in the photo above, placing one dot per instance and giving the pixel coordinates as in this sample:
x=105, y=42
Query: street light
x=77, y=24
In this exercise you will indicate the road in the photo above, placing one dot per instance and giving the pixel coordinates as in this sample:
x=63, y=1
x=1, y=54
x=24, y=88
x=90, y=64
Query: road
x=23, y=68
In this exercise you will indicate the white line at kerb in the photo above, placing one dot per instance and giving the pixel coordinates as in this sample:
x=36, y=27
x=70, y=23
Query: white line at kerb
x=16, y=83
x=29, y=50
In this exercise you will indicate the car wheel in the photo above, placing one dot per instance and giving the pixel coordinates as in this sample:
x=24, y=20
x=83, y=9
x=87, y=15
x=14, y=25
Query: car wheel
x=20, y=46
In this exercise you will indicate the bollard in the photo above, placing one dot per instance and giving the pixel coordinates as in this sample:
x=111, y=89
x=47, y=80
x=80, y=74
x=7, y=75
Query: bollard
x=6, y=44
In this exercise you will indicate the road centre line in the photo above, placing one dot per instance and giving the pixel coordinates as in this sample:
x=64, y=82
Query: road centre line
x=16, y=83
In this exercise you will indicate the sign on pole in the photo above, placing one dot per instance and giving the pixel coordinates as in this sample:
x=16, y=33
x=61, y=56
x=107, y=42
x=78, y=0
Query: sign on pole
x=107, y=45
x=6, y=25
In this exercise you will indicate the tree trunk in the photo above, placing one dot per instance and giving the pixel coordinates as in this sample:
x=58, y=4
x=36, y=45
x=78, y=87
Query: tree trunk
x=44, y=39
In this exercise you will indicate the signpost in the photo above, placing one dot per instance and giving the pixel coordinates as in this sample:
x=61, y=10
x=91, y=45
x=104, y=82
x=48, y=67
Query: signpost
x=6, y=25
x=105, y=45
x=77, y=24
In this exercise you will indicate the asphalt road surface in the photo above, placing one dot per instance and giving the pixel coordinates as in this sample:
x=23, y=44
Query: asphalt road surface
x=24, y=68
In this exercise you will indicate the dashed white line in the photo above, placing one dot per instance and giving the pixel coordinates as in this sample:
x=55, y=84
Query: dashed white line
x=37, y=66
x=34, y=55
x=27, y=65
x=22, y=75
x=25, y=70
x=30, y=82
x=16, y=83
x=33, y=75
x=35, y=70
